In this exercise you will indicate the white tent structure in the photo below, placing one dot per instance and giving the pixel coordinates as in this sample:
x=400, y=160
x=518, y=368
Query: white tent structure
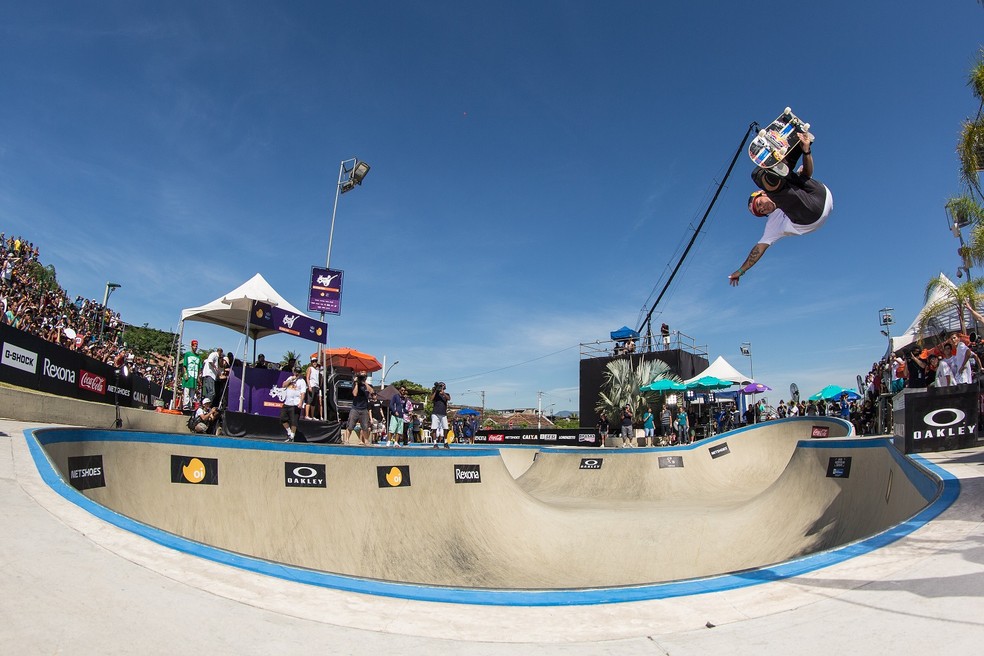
x=948, y=321
x=232, y=310
x=722, y=369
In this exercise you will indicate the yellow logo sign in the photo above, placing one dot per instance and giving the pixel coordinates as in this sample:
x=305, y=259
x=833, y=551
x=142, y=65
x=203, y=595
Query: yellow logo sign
x=194, y=471
x=394, y=477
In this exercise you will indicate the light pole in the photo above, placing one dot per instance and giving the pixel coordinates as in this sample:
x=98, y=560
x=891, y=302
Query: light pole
x=482, y=392
x=110, y=288
x=382, y=381
x=746, y=350
x=351, y=172
x=959, y=216
x=886, y=319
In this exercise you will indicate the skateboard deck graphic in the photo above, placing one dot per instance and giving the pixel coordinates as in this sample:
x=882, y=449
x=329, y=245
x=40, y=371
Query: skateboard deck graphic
x=773, y=143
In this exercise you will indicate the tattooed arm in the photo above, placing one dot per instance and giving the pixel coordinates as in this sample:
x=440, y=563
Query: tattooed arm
x=754, y=256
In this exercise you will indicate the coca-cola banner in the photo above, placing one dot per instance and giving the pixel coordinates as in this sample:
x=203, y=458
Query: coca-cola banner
x=29, y=361
x=298, y=325
x=326, y=290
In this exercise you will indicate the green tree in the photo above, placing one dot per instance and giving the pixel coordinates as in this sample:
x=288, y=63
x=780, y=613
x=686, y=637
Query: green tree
x=144, y=340
x=43, y=277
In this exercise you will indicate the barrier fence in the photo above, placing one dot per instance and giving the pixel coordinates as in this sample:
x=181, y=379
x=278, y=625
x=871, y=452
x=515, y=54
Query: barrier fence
x=34, y=363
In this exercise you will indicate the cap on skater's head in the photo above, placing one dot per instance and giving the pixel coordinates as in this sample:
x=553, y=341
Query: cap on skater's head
x=751, y=202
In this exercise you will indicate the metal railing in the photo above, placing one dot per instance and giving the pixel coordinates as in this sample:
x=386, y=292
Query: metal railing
x=675, y=341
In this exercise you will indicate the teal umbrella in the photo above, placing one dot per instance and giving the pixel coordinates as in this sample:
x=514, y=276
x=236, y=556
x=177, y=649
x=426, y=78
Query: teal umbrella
x=833, y=393
x=707, y=383
x=663, y=385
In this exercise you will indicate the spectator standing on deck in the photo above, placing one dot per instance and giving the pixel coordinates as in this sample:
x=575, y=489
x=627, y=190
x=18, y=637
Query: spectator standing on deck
x=439, y=416
x=312, y=408
x=191, y=362
x=649, y=424
x=683, y=427
x=294, y=389
x=627, y=425
x=603, y=429
x=214, y=363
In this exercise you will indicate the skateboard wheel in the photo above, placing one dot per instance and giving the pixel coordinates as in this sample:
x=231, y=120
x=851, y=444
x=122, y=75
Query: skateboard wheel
x=761, y=133
x=806, y=126
x=788, y=111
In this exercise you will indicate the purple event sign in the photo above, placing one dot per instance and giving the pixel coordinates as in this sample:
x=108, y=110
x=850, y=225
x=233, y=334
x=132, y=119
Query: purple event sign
x=298, y=325
x=264, y=393
x=326, y=290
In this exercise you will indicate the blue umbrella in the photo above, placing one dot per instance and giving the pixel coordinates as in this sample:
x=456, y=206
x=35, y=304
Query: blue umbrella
x=755, y=388
x=468, y=411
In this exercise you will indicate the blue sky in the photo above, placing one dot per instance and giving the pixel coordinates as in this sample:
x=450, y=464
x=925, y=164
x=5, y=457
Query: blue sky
x=536, y=168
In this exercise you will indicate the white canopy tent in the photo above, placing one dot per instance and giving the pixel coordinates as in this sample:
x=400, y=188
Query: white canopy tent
x=948, y=321
x=722, y=369
x=232, y=310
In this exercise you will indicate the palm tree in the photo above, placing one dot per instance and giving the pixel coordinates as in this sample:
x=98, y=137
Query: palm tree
x=953, y=299
x=970, y=148
x=623, y=378
x=288, y=356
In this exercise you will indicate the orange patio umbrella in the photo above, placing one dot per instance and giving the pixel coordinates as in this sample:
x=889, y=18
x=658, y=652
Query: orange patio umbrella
x=351, y=358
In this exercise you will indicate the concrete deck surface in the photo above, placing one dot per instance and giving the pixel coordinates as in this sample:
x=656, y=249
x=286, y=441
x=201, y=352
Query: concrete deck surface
x=70, y=583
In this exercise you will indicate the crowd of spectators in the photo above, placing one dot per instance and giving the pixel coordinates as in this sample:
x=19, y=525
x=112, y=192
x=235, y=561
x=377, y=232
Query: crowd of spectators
x=35, y=303
x=946, y=359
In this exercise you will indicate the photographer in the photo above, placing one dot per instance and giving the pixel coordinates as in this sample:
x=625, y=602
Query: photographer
x=205, y=417
x=439, y=416
x=360, y=407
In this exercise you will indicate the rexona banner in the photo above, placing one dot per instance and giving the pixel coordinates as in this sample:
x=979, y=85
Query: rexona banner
x=544, y=436
x=29, y=361
x=298, y=325
x=938, y=418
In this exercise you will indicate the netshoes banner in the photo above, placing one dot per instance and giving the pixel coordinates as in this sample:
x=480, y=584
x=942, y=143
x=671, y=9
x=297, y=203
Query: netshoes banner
x=29, y=361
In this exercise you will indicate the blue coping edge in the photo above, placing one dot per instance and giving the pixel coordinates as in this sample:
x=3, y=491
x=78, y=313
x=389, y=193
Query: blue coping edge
x=945, y=494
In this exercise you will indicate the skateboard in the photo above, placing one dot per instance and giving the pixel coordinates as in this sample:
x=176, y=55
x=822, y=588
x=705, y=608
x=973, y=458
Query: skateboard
x=772, y=144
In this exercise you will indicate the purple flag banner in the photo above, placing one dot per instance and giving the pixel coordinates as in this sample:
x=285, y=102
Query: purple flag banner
x=326, y=290
x=298, y=325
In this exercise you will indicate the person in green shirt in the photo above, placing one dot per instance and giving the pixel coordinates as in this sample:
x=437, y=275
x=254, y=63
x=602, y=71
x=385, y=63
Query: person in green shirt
x=191, y=362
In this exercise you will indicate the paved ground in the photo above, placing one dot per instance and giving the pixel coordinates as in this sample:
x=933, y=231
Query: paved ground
x=70, y=583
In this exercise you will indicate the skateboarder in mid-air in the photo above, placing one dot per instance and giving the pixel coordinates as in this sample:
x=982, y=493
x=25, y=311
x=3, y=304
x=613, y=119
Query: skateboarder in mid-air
x=795, y=205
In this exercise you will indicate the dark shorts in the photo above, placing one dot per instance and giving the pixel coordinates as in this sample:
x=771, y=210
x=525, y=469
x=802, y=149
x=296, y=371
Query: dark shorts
x=288, y=414
x=312, y=394
x=360, y=417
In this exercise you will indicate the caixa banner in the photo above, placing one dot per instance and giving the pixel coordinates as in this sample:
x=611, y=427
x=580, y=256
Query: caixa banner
x=29, y=361
x=938, y=418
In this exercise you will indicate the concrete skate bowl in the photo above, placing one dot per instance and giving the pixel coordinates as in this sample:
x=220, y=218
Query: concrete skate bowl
x=454, y=525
